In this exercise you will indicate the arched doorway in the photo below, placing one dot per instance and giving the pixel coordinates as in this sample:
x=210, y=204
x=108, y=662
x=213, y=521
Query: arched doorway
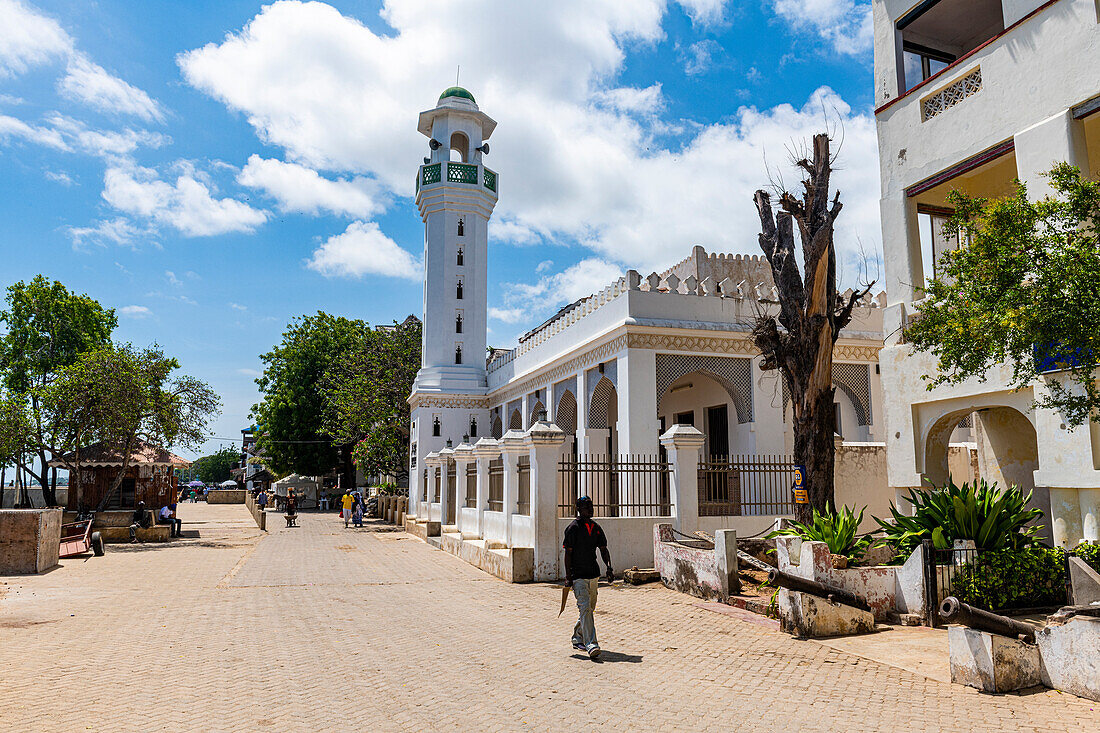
x=1005, y=450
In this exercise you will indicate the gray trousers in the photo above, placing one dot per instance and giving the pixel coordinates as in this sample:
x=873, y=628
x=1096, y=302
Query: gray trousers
x=585, y=590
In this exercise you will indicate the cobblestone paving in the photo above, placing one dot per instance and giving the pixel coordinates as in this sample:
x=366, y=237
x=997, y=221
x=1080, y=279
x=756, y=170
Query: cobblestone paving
x=322, y=628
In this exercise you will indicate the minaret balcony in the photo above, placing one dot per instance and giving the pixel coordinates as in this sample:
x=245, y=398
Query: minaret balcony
x=453, y=172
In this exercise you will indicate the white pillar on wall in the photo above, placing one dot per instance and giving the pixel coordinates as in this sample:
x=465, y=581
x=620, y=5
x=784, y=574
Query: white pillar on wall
x=464, y=457
x=683, y=443
x=638, y=426
x=544, y=443
x=511, y=447
x=486, y=449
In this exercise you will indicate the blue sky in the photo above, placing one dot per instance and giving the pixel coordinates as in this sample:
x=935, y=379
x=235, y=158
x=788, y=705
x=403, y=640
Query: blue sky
x=212, y=169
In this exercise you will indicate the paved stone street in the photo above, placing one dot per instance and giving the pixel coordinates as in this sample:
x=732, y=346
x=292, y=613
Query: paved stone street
x=322, y=628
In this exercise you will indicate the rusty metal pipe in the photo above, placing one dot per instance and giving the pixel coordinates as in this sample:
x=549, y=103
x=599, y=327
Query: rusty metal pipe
x=828, y=592
x=954, y=611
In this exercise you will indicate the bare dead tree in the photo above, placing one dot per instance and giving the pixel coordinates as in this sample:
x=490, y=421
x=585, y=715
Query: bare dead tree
x=811, y=314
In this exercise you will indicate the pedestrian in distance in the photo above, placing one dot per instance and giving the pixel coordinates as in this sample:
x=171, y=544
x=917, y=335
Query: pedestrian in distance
x=582, y=573
x=346, y=502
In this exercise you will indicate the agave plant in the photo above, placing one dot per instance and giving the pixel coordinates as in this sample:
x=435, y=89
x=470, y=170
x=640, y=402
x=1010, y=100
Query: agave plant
x=994, y=518
x=835, y=529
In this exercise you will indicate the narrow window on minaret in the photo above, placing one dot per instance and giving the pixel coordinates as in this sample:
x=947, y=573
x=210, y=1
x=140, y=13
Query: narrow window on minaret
x=473, y=427
x=458, y=290
x=435, y=427
x=461, y=228
x=460, y=256
x=458, y=354
x=458, y=323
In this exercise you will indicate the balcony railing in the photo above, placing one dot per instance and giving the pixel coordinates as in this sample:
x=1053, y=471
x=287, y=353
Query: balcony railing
x=453, y=172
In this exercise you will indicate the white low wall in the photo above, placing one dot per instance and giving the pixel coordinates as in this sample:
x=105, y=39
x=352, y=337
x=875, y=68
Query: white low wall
x=495, y=527
x=467, y=521
x=523, y=531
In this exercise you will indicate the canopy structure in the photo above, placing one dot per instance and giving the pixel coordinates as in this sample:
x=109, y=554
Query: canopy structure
x=306, y=488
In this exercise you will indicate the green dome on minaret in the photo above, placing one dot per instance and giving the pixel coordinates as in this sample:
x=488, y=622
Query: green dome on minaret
x=457, y=92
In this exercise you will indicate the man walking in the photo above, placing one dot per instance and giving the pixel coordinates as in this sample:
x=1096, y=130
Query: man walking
x=582, y=573
x=346, y=502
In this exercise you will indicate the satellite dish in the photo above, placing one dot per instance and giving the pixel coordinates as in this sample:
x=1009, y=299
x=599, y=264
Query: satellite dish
x=483, y=149
x=434, y=144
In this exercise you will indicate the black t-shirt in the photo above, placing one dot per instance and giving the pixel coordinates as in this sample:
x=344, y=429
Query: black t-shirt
x=583, y=537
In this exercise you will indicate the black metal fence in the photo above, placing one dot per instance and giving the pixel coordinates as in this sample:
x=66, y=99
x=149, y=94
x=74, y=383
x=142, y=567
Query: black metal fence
x=624, y=486
x=995, y=580
x=471, y=485
x=746, y=485
x=523, y=495
x=496, y=485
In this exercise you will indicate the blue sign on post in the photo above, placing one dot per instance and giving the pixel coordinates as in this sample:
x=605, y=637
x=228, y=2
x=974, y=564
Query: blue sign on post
x=801, y=495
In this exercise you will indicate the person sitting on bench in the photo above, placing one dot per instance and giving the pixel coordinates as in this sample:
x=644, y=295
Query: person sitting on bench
x=141, y=520
x=167, y=515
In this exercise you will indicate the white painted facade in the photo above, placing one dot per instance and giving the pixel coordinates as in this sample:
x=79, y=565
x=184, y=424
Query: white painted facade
x=614, y=370
x=1005, y=89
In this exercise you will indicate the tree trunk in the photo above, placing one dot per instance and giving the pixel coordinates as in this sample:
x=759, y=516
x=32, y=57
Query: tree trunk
x=799, y=342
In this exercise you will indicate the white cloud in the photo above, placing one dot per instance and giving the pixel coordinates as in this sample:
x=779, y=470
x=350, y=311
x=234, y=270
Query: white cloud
x=186, y=205
x=119, y=230
x=134, y=311
x=91, y=84
x=844, y=24
x=508, y=315
x=577, y=162
x=363, y=249
x=60, y=177
x=302, y=190
x=69, y=135
x=28, y=39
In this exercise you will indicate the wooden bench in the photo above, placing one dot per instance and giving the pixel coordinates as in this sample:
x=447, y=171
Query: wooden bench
x=291, y=520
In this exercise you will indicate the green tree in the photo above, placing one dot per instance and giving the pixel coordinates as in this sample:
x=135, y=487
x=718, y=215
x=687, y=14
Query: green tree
x=368, y=392
x=1023, y=286
x=124, y=397
x=216, y=467
x=290, y=415
x=47, y=329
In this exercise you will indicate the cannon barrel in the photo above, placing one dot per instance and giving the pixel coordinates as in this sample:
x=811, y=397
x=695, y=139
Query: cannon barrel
x=828, y=592
x=954, y=611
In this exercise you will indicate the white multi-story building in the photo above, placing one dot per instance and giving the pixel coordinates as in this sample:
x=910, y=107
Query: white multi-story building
x=613, y=370
x=970, y=95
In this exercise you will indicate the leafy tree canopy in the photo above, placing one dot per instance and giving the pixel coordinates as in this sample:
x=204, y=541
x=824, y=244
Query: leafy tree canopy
x=289, y=417
x=368, y=392
x=1025, y=284
x=215, y=468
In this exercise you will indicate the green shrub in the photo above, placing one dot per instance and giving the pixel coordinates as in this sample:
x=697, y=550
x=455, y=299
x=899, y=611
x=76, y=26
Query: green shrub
x=1026, y=578
x=835, y=529
x=993, y=518
x=1089, y=553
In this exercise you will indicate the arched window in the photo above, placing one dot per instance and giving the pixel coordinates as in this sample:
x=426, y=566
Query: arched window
x=458, y=290
x=473, y=427
x=458, y=323
x=461, y=227
x=436, y=428
x=460, y=257
x=460, y=145
x=458, y=354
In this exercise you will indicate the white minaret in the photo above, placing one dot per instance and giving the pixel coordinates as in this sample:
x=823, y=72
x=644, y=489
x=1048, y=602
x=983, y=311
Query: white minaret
x=456, y=195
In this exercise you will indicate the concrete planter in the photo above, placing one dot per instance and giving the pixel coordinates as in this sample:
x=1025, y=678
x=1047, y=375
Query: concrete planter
x=30, y=540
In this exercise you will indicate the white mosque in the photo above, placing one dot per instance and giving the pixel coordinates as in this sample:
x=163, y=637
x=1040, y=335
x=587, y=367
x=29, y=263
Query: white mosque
x=613, y=370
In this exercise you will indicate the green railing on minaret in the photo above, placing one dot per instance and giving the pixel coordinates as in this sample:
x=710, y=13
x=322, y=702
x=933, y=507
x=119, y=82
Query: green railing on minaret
x=461, y=173
x=430, y=174
x=456, y=173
